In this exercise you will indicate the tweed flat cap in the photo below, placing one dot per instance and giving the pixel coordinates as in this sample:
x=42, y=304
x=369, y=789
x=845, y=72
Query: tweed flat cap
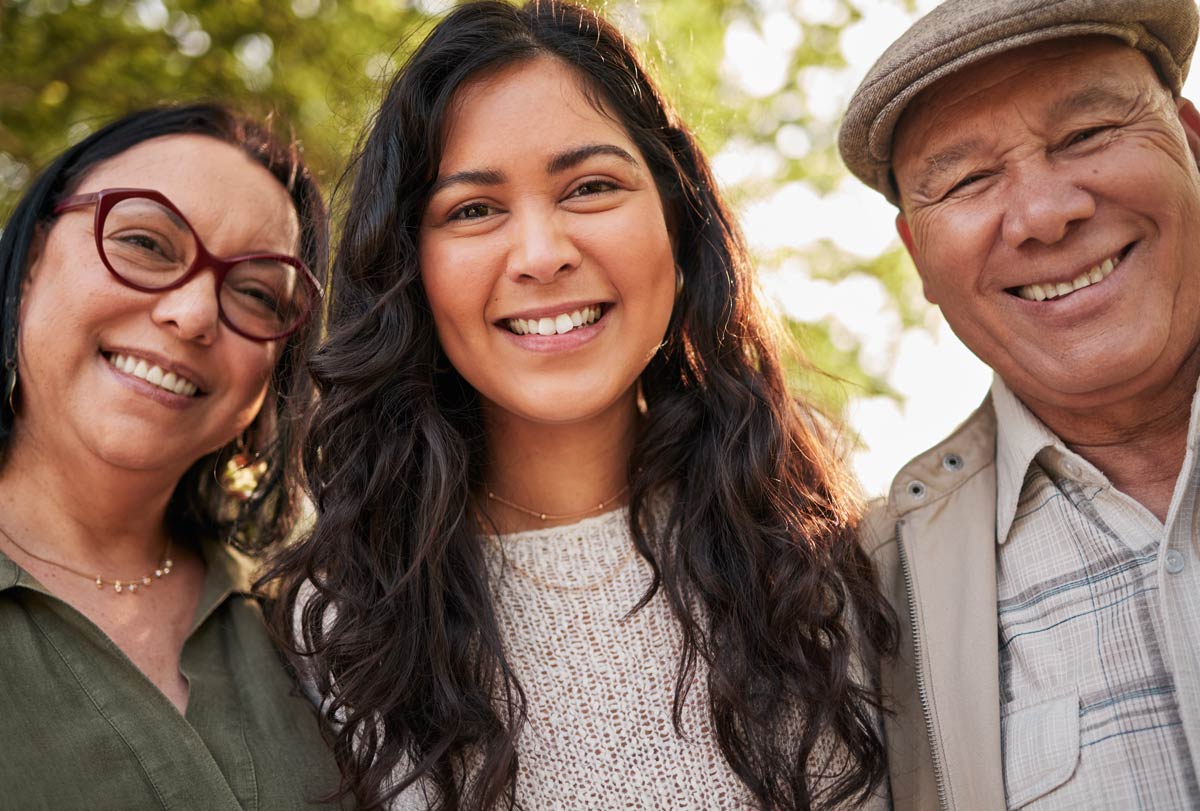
x=960, y=32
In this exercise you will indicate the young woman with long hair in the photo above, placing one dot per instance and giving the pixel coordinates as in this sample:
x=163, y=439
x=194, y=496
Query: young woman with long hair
x=577, y=546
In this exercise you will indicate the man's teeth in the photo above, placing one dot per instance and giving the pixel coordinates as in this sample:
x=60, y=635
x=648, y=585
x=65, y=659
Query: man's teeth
x=559, y=324
x=168, y=381
x=1041, y=292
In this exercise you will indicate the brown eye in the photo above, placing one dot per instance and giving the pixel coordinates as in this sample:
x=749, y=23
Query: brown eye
x=1085, y=135
x=472, y=211
x=590, y=187
x=144, y=243
x=968, y=181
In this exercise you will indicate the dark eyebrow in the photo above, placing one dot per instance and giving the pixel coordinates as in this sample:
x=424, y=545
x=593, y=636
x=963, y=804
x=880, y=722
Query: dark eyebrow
x=577, y=155
x=558, y=163
x=479, y=177
x=175, y=218
x=943, y=162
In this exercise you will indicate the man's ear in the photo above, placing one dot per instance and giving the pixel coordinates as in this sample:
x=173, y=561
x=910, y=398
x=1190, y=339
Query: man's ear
x=907, y=238
x=1190, y=118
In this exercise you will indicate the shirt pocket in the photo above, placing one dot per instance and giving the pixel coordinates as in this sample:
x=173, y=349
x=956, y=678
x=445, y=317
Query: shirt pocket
x=1041, y=747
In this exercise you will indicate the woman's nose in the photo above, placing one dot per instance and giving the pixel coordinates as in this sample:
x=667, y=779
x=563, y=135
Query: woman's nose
x=541, y=247
x=192, y=310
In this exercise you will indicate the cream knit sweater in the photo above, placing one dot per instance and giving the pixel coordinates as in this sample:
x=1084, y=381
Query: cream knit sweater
x=600, y=683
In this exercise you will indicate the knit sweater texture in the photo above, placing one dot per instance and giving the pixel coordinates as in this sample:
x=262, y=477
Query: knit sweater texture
x=600, y=681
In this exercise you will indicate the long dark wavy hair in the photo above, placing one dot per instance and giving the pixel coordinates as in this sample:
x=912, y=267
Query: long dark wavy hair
x=398, y=626
x=198, y=507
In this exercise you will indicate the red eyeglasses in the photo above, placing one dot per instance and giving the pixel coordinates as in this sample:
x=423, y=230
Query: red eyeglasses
x=147, y=244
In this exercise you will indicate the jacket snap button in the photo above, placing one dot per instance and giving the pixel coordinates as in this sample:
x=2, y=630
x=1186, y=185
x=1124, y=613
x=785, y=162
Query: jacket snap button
x=916, y=489
x=952, y=462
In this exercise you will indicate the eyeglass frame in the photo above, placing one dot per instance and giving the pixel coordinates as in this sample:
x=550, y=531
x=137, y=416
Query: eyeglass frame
x=105, y=199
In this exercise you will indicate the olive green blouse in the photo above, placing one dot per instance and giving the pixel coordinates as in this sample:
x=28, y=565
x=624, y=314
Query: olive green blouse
x=82, y=727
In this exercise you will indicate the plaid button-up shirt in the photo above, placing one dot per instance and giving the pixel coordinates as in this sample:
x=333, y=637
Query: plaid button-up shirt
x=1099, y=626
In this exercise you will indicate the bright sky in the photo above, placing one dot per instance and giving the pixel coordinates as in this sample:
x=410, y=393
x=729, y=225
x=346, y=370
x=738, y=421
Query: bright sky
x=940, y=380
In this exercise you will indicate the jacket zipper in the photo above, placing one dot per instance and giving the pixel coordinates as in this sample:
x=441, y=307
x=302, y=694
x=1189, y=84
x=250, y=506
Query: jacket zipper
x=934, y=749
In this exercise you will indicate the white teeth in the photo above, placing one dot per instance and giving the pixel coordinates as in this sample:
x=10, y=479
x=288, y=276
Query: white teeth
x=139, y=368
x=556, y=325
x=1041, y=292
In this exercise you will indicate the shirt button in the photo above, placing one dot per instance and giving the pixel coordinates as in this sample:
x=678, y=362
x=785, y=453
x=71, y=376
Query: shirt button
x=1175, y=562
x=1072, y=469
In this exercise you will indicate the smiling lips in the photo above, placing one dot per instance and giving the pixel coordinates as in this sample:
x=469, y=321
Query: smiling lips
x=555, y=325
x=1044, y=292
x=145, y=370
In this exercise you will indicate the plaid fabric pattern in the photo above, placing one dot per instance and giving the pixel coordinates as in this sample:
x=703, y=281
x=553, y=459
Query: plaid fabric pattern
x=1099, y=620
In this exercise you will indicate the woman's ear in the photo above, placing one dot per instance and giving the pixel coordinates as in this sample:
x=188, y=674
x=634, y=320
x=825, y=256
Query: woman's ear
x=37, y=244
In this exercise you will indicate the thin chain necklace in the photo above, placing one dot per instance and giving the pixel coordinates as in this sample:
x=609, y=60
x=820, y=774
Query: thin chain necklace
x=565, y=516
x=494, y=540
x=123, y=586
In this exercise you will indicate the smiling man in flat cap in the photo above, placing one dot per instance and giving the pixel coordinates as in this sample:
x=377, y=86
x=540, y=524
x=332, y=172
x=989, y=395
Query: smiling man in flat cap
x=1045, y=558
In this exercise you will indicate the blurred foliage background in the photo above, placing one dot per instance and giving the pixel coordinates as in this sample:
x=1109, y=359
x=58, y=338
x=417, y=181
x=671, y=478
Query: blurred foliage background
x=768, y=113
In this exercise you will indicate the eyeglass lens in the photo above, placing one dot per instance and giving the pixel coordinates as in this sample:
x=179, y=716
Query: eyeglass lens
x=151, y=247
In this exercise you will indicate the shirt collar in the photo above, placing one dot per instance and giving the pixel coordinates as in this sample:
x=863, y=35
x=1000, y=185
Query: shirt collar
x=1020, y=437
x=10, y=573
x=1193, y=439
x=227, y=572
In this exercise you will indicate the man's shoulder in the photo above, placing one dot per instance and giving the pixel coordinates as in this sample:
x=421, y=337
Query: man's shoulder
x=933, y=475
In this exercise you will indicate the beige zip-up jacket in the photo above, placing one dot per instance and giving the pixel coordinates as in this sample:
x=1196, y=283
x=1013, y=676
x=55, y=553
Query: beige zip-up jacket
x=934, y=541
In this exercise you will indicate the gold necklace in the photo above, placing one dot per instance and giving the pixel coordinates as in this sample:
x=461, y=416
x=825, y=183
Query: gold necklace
x=122, y=586
x=565, y=516
x=609, y=576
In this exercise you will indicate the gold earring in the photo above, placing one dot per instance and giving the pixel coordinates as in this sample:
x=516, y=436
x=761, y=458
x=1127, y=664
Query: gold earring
x=10, y=385
x=678, y=282
x=242, y=473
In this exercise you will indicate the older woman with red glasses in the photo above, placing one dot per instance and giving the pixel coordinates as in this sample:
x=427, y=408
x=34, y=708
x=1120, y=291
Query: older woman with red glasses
x=158, y=296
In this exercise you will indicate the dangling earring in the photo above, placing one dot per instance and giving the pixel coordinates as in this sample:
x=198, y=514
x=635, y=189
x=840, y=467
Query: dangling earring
x=239, y=479
x=678, y=282
x=10, y=385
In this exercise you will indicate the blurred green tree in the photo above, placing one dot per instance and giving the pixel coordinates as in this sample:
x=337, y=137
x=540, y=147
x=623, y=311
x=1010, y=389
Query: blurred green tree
x=70, y=65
